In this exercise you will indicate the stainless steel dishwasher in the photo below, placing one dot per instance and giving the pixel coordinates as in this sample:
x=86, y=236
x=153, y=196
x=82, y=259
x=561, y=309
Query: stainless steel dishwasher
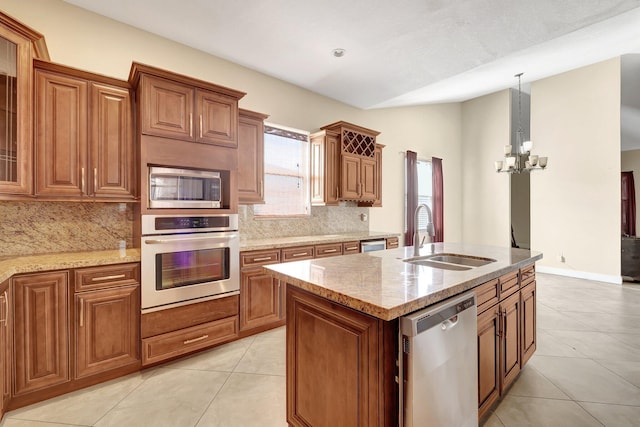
x=438, y=365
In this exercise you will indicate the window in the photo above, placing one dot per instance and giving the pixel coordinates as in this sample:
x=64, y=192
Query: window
x=286, y=173
x=425, y=190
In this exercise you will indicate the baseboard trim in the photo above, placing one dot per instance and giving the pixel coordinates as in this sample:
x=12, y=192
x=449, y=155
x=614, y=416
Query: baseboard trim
x=580, y=274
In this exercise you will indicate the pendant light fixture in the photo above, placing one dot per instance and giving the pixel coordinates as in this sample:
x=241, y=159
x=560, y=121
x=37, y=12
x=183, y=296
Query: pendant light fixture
x=522, y=160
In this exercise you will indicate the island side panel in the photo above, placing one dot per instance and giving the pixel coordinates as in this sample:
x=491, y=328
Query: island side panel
x=340, y=364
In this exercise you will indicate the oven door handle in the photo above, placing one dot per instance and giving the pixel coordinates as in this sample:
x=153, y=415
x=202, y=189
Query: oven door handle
x=189, y=239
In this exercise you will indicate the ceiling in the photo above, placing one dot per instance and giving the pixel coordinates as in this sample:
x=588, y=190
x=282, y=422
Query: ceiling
x=406, y=52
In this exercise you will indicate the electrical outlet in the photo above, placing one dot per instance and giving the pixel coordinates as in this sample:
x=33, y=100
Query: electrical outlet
x=363, y=217
x=561, y=258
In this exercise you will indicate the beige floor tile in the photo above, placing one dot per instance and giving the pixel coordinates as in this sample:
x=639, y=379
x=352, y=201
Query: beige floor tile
x=585, y=380
x=223, y=358
x=492, y=421
x=607, y=322
x=614, y=415
x=171, y=398
x=84, y=407
x=630, y=371
x=531, y=383
x=516, y=411
x=598, y=345
x=549, y=345
x=266, y=355
x=630, y=339
x=248, y=400
x=24, y=423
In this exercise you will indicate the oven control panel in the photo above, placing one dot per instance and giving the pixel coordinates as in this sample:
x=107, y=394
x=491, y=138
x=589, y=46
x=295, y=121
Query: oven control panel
x=166, y=224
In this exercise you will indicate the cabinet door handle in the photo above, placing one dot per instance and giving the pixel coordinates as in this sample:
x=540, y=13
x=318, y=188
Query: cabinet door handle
x=337, y=192
x=95, y=180
x=204, y=337
x=81, y=313
x=82, y=180
x=264, y=258
x=6, y=309
x=499, y=331
x=103, y=278
x=190, y=125
x=200, y=125
x=261, y=188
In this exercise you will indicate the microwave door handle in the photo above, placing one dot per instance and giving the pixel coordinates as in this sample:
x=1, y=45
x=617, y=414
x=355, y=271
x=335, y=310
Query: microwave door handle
x=190, y=239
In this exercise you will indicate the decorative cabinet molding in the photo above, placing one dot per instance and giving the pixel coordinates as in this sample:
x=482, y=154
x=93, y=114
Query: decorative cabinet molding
x=84, y=135
x=251, y=157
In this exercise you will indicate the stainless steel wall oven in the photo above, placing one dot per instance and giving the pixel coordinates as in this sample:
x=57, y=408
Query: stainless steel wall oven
x=187, y=259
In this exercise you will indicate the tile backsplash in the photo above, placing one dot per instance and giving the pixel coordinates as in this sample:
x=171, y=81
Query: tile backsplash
x=28, y=228
x=323, y=220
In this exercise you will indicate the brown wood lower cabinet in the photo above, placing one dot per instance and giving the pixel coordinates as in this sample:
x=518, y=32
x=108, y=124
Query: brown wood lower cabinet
x=5, y=347
x=261, y=299
x=340, y=365
x=107, y=334
x=167, y=334
x=41, y=331
x=506, y=333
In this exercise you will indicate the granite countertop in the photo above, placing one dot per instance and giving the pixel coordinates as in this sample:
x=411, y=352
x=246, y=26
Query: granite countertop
x=10, y=265
x=382, y=285
x=284, y=242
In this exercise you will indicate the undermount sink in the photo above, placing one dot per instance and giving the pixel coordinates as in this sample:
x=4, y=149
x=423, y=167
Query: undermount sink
x=454, y=262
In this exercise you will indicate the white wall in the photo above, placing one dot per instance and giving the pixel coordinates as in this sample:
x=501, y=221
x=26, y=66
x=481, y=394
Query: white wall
x=486, y=194
x=84, y=40
x=575, y=203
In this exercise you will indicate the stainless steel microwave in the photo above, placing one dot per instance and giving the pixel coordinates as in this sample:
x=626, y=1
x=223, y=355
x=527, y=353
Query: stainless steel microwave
x=184, y=188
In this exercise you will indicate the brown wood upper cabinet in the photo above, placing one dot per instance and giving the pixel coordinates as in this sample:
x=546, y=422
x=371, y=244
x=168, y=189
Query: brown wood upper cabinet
x=346, y=157
x=180, y=107
x=251, y=157
x=20, y=44
x=84, y=135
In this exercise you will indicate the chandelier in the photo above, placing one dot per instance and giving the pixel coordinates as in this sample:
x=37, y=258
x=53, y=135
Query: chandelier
x=522, y=160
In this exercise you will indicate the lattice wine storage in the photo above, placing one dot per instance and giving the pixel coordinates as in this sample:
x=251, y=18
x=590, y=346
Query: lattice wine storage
x=355, y=139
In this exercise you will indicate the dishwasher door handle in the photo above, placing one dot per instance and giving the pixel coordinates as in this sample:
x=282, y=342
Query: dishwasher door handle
x=450, y=323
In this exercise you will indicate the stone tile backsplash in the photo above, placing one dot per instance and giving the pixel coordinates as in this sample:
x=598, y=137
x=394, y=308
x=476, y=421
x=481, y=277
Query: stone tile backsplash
x=28, y=228
x=323, y=220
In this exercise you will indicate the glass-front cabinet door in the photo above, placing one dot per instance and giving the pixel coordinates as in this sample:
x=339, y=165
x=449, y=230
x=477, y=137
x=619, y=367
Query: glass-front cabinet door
x=18, y=46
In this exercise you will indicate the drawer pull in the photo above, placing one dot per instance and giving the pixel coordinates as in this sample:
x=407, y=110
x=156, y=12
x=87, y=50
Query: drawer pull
x=351, y=248
x=204, y=337
x=330, y=251
x=103, y=278
x=300, y=254
x=264, y=258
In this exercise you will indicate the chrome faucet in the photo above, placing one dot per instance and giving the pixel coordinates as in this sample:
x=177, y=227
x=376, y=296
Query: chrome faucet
x=417, y=244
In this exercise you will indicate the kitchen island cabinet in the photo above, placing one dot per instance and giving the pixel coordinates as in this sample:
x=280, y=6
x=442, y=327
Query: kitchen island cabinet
x=352, y=306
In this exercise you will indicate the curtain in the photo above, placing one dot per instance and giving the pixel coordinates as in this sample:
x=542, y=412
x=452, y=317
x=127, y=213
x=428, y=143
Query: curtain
x=412, y=194
x=628, y=210
x=438, y=199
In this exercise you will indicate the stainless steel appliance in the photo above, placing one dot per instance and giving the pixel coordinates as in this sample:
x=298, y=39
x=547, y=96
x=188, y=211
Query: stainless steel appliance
x=184, y=188
x=439, y=368
x=185, y=259
x=373, y=245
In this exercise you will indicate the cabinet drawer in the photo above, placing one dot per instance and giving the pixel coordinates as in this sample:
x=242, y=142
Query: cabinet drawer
x=105, y=276
x=180, y=342
x=508, y=284
x=487, y=295
x=173, y=319
x=527, y=275
x=351, y=247
x=254, y=258
x=392, y=242
x=330, y=249
x=297, y=253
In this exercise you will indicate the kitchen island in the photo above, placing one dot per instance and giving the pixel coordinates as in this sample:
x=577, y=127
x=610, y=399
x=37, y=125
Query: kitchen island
x=342, y=326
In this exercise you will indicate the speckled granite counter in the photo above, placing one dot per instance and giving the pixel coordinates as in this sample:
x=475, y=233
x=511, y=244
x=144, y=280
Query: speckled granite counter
x=59, y=261
x=283, y=242
x=382, y=285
